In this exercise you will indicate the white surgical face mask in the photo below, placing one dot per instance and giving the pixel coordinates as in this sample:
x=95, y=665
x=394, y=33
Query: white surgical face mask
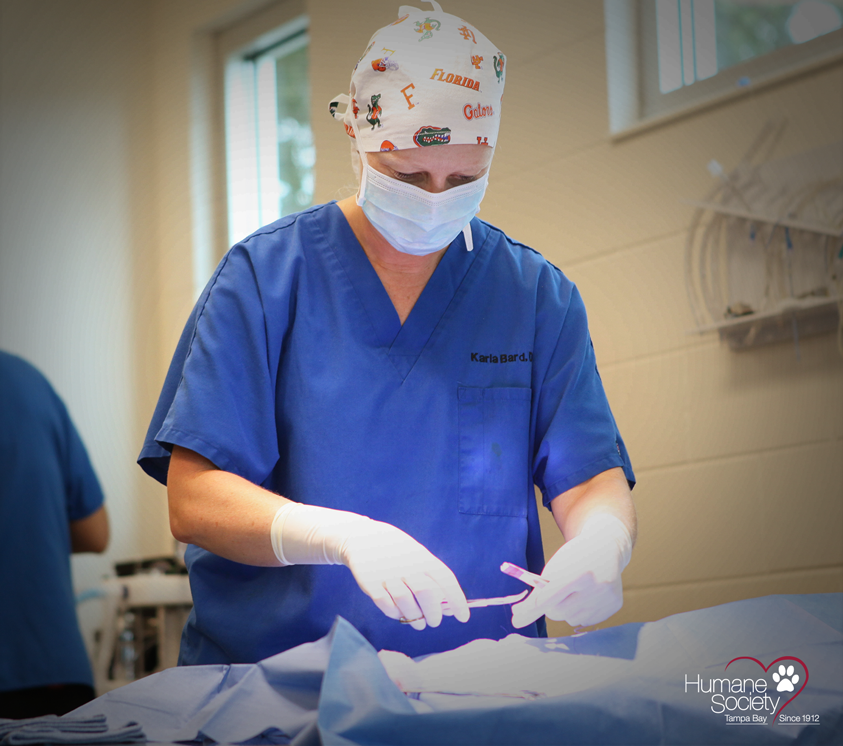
x=415, y=221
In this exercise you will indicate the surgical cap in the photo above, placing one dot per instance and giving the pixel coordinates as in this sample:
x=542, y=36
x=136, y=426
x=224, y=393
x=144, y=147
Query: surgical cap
x=429, y=78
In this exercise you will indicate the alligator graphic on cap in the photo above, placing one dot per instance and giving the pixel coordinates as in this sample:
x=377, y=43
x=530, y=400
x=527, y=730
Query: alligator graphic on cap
x=426, y=136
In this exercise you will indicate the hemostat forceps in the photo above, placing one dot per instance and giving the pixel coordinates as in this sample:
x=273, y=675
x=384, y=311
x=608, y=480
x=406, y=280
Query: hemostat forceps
x=508, y=568
x=476, y=603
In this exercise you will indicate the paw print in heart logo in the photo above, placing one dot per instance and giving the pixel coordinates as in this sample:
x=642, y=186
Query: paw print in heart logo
x=785, y=678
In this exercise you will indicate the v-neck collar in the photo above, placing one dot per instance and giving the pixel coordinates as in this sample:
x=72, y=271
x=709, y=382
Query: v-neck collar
x=403, y=344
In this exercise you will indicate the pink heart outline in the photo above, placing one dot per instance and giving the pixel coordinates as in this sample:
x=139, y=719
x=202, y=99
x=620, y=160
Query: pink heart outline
x=783, y=658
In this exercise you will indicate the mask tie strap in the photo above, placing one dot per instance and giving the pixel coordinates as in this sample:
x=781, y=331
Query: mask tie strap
x=466, y=232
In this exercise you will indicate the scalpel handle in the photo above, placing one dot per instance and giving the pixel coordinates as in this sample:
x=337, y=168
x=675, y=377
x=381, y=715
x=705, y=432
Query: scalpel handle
x=525, y=576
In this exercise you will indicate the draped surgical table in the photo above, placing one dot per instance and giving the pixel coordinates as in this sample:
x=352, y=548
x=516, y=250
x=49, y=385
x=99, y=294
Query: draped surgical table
x=761, y=671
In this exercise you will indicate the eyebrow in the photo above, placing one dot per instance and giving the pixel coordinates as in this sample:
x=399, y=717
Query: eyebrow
x=427, y=173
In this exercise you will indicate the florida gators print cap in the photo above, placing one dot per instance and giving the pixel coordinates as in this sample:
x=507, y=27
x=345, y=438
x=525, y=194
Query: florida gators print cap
x=427, y=79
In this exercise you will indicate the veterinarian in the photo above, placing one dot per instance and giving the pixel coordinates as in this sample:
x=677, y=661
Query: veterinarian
x=367, y=391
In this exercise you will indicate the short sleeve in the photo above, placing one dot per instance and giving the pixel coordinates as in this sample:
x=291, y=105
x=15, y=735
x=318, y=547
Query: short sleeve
x=576, y=436
x=218, y=397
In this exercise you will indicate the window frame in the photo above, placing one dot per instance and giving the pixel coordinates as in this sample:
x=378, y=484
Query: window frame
x=635, y=100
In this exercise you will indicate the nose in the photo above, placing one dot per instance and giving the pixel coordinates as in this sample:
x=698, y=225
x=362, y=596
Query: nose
x=437, y=183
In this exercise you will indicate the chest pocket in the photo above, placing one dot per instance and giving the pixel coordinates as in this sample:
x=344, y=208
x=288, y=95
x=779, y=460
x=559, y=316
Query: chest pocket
x=494, y=440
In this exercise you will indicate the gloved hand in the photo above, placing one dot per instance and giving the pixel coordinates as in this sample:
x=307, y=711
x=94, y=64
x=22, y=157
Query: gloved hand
x=402, y=577
x=584, y=577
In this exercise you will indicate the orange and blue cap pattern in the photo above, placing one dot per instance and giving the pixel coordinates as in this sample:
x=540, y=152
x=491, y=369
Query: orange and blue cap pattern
x=427, y=79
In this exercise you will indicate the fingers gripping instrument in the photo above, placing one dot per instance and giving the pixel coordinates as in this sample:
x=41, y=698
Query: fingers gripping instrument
x=401, y=576
x=584, y=576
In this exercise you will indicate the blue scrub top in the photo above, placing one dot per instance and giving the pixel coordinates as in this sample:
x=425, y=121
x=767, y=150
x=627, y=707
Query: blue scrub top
x=295, y=373
x=46, y=481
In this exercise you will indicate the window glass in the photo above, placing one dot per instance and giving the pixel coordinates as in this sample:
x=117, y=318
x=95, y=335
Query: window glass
x=270, y=154
x=296, y=152
x=747, y=30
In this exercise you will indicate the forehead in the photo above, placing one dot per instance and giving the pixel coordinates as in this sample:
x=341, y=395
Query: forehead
x=454, y=158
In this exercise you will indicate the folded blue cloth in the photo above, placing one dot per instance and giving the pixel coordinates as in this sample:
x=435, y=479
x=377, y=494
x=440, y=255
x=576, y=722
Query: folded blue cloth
x=70, y=729
x=265, y=702
x=71, y=724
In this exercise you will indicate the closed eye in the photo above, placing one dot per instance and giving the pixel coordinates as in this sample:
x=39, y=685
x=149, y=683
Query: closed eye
x=415, y=176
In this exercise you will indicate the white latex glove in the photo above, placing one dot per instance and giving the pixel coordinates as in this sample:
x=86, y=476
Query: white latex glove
x=402, y=577
x=584, y=577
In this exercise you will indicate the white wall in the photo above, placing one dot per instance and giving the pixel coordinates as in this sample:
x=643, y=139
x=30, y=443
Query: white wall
x=76, y=233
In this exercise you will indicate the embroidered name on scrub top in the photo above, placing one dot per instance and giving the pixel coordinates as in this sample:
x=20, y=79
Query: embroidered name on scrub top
x=517, y=357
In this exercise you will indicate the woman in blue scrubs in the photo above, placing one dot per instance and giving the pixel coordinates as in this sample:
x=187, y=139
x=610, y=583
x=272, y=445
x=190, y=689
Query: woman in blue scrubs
x=367, y=391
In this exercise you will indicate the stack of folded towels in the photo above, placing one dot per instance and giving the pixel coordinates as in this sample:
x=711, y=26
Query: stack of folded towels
x=49, y=729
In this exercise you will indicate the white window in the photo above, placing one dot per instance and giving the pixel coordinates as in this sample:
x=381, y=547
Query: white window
x=270, y=155
x=665, y=56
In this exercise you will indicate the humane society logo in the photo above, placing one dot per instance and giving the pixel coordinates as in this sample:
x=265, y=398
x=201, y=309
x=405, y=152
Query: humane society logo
x=750, y=699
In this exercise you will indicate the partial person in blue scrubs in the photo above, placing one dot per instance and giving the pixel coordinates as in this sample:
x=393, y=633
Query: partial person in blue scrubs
x=367, y=392
x=51, y=505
